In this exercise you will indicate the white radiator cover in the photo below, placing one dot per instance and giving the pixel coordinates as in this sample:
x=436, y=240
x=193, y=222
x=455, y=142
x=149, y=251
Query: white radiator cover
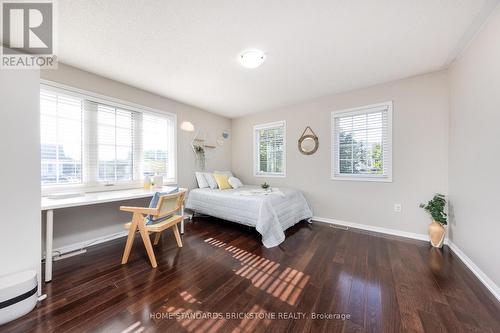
x=18, y=295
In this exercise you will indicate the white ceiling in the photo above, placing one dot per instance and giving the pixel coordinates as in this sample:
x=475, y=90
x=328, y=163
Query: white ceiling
x=187, y=49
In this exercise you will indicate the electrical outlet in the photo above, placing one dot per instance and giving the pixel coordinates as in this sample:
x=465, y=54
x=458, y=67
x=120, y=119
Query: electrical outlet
x=397, y=208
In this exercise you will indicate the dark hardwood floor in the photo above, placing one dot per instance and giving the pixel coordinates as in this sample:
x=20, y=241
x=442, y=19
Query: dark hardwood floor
x=364, y=282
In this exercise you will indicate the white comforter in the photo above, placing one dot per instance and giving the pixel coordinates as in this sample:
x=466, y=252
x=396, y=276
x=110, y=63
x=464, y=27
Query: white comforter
x=270, y=213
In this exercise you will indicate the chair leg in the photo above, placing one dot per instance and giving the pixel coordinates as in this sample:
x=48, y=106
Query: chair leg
x=157, y=238
x=147, y=244
x=177, y=235
x=130, y=240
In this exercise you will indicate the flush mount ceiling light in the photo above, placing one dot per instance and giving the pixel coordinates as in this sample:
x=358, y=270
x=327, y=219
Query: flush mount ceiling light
x=252, y=58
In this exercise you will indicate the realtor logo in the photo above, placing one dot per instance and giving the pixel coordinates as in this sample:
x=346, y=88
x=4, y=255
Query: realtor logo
x=28, y=34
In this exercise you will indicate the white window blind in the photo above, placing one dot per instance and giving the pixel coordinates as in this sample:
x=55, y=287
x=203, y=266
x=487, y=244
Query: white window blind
x=362, y=143
x=158, y=146
x=270, y=155
x=88, y=141
x=115, y=144
x=61, y=139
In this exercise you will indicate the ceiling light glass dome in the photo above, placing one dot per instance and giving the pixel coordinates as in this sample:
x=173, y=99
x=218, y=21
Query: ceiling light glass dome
x=252, y=58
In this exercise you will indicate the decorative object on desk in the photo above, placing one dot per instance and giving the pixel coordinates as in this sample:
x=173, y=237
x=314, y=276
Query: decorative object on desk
x=436, y=208
x=157, y=181
x=265, y=186
x=147, y=182
x=200, y=155
x=308, y=143
x=159, y=168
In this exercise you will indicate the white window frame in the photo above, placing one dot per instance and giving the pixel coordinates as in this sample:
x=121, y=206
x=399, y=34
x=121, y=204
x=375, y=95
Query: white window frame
x=256, y=155
x=387, y=159
x=114, y=102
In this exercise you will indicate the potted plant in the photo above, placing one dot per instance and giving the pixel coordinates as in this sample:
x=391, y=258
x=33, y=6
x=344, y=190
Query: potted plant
x=200, y=154
x=436, y=208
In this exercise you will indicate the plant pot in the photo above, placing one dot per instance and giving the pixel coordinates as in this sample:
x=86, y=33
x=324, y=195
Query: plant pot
x=436, y=234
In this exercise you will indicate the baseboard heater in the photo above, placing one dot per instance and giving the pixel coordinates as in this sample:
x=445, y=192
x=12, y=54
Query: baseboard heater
x=336, y=226
x=18, y=295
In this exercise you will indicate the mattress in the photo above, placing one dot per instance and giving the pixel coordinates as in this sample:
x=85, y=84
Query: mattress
x=271, y=213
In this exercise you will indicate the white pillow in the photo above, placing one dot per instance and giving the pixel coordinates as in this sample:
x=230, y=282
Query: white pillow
x=226, y=173
x=202, y=181
x=234, y=182
x=210, y=180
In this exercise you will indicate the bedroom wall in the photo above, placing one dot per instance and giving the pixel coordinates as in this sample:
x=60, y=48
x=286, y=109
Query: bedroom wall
x=474, y=147
x=20, y=173
x=420, y=150
x=75, y=225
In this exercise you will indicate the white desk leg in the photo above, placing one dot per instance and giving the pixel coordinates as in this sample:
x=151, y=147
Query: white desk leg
x=39, y=278
x=48, y=245
x=182, y=222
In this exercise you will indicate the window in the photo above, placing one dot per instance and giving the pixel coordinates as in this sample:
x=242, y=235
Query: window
x=89, y=141
x=362, y=143
x=115, y=140
x=270, y=155
x=61, y=139
x=158, y=146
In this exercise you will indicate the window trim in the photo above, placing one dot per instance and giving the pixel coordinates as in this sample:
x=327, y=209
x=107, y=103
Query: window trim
x=117, y=103
x=256, y=159
x=363, y=110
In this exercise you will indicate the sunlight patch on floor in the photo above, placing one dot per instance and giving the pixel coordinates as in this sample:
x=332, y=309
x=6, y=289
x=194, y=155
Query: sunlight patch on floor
x=188, y=297
x=191, y=324
x=215, y=242
x=249, y=324
x=134, y=328
x=287, y=284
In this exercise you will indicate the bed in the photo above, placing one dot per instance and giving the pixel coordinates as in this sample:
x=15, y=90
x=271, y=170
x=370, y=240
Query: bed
x=270, y=212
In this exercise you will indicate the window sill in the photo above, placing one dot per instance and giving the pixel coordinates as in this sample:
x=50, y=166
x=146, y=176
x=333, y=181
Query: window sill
x=270, y=175
x=363, y=179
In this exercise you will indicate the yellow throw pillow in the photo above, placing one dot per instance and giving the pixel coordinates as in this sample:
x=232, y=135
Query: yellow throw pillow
x=222, y=181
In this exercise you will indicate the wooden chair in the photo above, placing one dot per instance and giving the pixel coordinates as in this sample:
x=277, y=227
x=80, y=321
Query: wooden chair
x=161, y=217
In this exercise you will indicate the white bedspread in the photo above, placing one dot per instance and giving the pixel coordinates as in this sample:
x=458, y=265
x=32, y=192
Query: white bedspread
x=270, y=213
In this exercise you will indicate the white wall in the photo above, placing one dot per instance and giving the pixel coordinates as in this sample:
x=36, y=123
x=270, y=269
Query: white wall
x=76, y=225
x=475, y=150
x=420, y=140
x=19, y=171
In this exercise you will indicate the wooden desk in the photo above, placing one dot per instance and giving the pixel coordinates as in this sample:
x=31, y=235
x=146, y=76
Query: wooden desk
x=49, y=205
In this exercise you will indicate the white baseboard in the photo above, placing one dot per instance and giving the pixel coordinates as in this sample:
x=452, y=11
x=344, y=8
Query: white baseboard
x=488, y=283
x=485, y=280
x=381, y=230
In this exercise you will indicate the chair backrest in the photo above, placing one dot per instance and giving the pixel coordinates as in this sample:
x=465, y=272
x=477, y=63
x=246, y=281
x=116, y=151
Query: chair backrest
x=169, y=204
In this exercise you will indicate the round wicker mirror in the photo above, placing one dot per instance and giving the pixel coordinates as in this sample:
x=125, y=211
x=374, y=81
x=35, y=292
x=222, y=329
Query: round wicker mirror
x=308, y=143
